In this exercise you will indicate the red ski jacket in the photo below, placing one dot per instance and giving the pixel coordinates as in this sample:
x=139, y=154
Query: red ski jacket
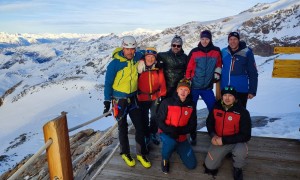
x=151, y=85
x=177, y=117
x=233, y=125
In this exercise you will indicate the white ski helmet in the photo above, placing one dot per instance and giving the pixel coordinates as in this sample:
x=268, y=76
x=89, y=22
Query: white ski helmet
x=129, y=42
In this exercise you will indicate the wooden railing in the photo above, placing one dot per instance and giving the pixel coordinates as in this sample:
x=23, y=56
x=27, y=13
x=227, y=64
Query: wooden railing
x=57, y=146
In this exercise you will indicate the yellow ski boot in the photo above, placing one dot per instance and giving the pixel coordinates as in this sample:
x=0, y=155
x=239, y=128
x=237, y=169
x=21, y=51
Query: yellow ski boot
x=128, y=160
x=144, y=161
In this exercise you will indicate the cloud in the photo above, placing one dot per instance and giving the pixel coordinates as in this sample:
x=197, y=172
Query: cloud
x=112, y=16
x=14, y=6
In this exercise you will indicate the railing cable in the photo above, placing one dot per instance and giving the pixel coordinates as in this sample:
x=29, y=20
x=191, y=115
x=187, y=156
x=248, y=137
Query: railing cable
x=108, y=158
x=30, y=160
x=89, y=122
x=94, y=145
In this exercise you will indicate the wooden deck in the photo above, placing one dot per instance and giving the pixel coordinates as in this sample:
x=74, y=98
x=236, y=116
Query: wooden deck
x=269, y=158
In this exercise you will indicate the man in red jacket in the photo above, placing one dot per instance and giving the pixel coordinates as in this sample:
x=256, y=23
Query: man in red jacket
x=204, y=69
x=229, y=126
x=176, y=118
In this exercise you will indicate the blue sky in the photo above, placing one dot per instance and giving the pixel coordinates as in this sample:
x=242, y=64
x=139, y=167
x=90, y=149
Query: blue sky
x=111, y=16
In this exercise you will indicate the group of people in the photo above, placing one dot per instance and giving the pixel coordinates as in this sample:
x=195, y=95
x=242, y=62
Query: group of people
x=168, y=85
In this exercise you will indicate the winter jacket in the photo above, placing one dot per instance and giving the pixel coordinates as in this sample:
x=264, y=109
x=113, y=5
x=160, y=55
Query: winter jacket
x=174, y=66
x=203, y=63
x=121, y=76
x=151, y=84
x=177, y=117
x=233, y=125
x=239, y=69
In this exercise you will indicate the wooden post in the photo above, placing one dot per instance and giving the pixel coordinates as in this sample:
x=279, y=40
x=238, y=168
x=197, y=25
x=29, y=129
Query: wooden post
x=58, y=154
x=218, y=90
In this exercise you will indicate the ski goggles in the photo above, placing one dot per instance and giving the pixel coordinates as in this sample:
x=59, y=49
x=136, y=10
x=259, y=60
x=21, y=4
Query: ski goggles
x=229, y=88
x=148, y=51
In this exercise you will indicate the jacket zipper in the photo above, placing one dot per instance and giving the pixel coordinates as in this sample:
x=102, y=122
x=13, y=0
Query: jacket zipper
x=223, y=123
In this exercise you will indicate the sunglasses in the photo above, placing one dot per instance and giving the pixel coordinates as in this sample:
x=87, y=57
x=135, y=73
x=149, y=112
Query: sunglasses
x=228, y=88
x=150, y=52
x=176, y=45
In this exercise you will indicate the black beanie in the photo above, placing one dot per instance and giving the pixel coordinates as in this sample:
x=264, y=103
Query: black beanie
x=235, y=34
x=229, y=90
x=205, y=33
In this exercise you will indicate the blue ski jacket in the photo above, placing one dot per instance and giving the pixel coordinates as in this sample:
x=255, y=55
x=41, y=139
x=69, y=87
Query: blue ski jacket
x=239, y=69
x=121, y=76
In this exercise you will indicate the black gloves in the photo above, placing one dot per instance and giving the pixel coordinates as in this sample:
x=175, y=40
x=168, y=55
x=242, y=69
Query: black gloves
x=106, y=107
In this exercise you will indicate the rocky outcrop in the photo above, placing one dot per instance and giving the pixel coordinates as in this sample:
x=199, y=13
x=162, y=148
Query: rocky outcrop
x=9, y=91
x=260, y=32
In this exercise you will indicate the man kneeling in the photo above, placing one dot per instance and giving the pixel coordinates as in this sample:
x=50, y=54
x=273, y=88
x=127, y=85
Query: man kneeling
x=229, y=126
x=176, y=118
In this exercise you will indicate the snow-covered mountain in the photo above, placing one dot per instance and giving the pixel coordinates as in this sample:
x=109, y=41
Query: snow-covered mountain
x=44, y=74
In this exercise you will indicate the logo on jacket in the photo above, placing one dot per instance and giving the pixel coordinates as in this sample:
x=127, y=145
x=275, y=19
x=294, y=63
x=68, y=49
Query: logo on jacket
x=186, y=112
x=219, y=114
x=229, y=118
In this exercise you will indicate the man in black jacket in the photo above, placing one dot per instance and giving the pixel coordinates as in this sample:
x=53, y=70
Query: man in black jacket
x=176, y=118
x=229, y=126
x=174, y=64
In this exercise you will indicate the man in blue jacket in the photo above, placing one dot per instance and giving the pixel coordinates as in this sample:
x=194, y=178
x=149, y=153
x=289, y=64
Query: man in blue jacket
x=239, y=68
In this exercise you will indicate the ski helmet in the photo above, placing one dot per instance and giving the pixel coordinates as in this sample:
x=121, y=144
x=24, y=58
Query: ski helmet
x=129, y=42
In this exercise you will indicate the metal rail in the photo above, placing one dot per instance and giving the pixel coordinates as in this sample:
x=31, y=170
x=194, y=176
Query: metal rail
x=108, y=158
x=22, y=168
x=89, y=122
x=95, y=144
x=50, y=141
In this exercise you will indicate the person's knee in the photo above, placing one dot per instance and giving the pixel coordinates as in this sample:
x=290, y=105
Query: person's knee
x=240, y=152
x=191, y=164
x=190, y=161
x=239, y=155
x=210, y=163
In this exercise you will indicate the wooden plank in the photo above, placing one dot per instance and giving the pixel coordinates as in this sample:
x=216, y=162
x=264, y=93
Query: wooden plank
x=269, y=158
x=286, y=68
x=255, y=168
x=287, y=62
x=286, y=50
x=285, y=75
